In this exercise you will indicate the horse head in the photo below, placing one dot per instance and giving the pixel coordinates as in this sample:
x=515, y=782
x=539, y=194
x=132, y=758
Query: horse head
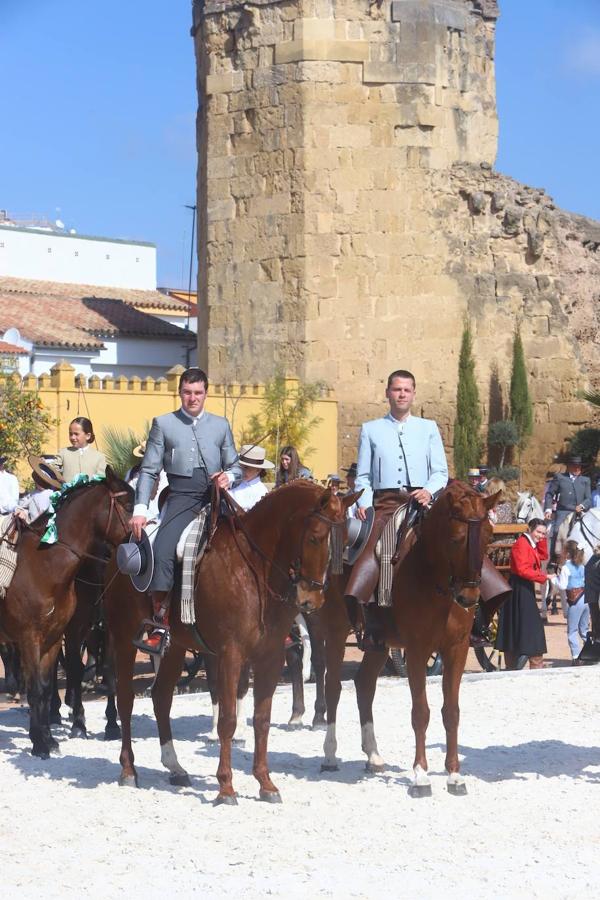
x=457, y=532
x=320, y=536
x=120, y=497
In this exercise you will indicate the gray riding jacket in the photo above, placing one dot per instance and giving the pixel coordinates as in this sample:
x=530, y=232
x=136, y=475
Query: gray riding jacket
x=179, y=444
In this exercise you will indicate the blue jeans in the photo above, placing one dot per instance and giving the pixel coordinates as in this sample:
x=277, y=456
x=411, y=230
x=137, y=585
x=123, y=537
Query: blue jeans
x=578, y=621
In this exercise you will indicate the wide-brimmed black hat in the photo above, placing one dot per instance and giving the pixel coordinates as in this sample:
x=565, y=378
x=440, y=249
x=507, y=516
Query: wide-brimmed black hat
x=136, y=559
x=574, y=459
x=46, y=472
x=358, y=535
x=352, y=470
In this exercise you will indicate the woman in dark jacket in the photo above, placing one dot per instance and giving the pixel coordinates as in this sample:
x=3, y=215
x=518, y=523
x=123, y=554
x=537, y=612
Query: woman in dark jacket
x=290, y=467
x=520, y=628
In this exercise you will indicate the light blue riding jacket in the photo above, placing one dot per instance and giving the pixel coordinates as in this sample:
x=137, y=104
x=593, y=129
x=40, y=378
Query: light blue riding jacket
x=383, y=457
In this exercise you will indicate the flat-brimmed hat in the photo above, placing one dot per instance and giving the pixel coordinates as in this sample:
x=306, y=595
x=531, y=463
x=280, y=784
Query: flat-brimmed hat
x=46, y=472
x=574, y=460
x=358, y=535
x=352, y=470
x=136, y=559
x=473, y=473
x=139, y=450
x=254, y=457
x=334, y=477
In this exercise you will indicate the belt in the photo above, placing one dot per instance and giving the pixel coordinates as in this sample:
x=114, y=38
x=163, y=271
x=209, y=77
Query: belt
x=406, y=489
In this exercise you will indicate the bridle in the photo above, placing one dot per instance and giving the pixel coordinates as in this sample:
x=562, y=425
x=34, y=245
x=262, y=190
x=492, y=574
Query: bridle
x=455, y=584
x=114, y=508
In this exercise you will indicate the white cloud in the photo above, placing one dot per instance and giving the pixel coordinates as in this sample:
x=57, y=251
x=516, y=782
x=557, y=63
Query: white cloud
x=583, y=55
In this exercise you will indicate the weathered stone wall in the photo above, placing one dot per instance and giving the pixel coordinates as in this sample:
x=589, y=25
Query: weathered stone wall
x=353, y=217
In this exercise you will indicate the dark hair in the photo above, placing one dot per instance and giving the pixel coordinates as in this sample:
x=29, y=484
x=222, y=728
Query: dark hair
x=86, y=426
x=291, y=473
x=534, y=523
x=573, y=552
x=401, y=373
x=193, y=375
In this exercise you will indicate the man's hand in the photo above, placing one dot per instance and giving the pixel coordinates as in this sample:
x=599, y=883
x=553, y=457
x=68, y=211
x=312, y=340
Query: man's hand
x=548, y=514
x=136, y=523
x=422, y=496
x=580, y=508
x=361, y=513
x=222, y=479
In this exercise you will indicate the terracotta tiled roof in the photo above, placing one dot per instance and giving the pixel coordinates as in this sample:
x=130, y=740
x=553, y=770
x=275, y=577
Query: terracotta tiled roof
x=78, y=322
x=12, y=348
x=148, y=299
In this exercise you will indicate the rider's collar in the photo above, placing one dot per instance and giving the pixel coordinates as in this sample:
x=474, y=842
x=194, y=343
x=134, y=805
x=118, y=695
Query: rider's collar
x=190, y=417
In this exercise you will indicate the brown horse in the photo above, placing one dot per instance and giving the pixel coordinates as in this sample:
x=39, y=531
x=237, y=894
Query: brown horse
x=435, y=591
x=41, y=598
x=260, y=570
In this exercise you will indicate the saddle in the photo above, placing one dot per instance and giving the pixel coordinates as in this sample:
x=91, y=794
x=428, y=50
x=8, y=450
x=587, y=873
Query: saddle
x=10, y=533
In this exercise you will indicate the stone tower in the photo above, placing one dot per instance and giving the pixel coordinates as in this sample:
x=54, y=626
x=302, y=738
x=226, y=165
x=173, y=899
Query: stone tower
x=350, y=216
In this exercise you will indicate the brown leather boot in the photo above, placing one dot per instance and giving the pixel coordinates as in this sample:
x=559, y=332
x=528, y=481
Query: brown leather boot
x=155, y=642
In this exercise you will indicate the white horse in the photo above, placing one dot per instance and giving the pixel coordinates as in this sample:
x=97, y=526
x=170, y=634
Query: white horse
x=584, y=529
x=528, y=507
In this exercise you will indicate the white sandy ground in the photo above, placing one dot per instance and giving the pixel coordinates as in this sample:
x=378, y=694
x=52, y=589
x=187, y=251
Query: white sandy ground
x=529, y=827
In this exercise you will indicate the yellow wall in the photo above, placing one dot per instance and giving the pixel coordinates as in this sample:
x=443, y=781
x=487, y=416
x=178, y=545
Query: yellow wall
x=132, y=402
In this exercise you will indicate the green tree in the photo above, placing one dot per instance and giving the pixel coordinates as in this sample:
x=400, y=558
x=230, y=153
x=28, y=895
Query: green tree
x=119, y=445
x=521, y=408
x=586, y=443
x=24, y=422
x=467, y=424
x=504, y=435
x=285, y=417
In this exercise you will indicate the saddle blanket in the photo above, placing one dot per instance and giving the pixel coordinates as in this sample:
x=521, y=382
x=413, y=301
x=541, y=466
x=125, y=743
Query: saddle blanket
x=8, y=555
x=190, y=550
x=384, y=551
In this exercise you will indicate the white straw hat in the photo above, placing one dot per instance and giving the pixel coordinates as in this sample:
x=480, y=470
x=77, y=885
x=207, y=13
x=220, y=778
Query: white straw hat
x=254, y=457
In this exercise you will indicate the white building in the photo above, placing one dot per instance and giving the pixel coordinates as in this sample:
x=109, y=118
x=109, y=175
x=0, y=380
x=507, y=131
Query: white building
x=47, y=254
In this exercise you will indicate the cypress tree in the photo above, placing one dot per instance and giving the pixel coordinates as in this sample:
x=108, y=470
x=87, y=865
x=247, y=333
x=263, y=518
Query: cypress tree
x=467, y=424
x=521, y=408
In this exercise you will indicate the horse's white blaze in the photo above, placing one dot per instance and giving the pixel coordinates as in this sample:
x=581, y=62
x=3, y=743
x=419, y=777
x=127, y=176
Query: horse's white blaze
x=421, y=777
x=214, y=734
x=168, y=758
x=455, y=778
x=369, y=745
x=330, y=746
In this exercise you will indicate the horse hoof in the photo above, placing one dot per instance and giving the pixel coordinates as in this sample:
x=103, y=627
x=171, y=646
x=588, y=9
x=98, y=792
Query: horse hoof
x=271, y=796
x=457, y=790
x=112, y=733
x=325, y=767
x=55, y=719
x=319, y=726
x=78, y=731
x=295, y=723
x=128, y=781
x=40, y=752
x=181, y=780
x=374, y=768
x=419, y=790
x=226, y=800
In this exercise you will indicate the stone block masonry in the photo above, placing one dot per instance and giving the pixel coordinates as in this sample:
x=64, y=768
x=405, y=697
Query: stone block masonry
x=350, y=216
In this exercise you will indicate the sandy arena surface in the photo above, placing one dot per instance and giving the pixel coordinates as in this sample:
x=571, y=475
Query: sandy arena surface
x=529, y=827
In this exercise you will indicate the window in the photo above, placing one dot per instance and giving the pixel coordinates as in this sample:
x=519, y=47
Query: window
x=49, y=249
x=108, y=256
x=77, y=253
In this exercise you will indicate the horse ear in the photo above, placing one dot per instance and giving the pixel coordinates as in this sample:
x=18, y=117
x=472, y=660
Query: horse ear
x=325, y=498
x=490, y=502
x=351, y=498
x=111, y=476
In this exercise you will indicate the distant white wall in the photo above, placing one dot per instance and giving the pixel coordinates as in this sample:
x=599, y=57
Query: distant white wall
x=73, y=259
x=127, y=356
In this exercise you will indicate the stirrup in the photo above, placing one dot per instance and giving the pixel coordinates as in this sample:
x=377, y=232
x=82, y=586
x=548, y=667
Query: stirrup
x=162, y=645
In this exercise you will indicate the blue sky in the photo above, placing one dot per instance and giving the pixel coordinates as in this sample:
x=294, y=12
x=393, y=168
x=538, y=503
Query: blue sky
x=98, y=105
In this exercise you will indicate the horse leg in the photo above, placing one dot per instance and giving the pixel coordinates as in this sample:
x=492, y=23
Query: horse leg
x=125, y=661
x=241, y=731
x=112, y=731
x=74, y=672
x=293, y=658
x=317, y=640
x=335, y=646
x=38, y=680
x=366, y=682
x=55, y=704
x=454, y=659
x=416, y=666
x=266, y=675
x=211, y=667
x=162, y=700
x=229, y=669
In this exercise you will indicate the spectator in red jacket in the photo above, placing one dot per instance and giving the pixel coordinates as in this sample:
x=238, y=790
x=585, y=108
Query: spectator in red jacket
x=520, y=628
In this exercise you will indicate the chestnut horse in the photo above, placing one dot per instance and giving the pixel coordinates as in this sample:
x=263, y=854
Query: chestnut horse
x=436, y=588
x=261, y=569
x=41, y=598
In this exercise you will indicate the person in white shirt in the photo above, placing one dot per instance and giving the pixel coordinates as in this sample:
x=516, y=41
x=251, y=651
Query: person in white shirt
x=9, y=489
x=250, y=489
